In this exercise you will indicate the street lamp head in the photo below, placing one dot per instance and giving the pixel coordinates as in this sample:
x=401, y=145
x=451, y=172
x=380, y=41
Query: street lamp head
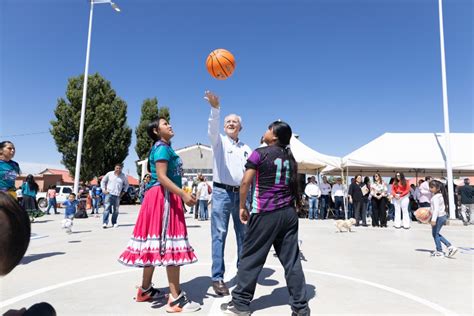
x=115, y=7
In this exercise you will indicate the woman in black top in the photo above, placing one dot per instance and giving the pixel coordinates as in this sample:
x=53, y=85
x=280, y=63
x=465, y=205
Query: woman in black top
x=356, y=198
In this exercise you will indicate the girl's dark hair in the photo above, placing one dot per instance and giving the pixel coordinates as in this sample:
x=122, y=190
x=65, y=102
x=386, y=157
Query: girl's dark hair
x=440, y=187
x=402, y=179
x=15, y=229
x=153, y=125
x=356, y=176
x=4, y=144
x=31, y=183
x=282, y=132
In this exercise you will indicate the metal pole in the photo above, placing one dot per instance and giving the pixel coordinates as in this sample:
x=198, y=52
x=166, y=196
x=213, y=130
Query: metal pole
x=449, y=170
x=83, y=107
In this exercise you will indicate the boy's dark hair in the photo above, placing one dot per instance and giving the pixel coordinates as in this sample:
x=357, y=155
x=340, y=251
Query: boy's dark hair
x=283, y=132
x=15, y=229
x=119, y=164
x=73, y=194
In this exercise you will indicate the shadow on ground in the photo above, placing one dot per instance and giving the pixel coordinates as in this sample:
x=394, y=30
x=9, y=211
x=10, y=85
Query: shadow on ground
x=35, y=257
x=279, y=297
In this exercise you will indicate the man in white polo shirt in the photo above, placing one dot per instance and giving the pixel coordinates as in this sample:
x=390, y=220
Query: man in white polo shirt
x=114, y=185
x=230, y=156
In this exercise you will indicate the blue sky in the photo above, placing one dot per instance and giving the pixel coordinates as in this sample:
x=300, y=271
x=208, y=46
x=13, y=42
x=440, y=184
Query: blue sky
x=341, y=73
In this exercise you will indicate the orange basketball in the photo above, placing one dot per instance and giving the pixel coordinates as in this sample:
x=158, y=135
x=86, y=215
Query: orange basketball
x=423, y=214
x=220, y=64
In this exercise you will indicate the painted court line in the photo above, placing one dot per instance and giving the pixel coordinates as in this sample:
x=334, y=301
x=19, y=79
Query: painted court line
x=215, y=307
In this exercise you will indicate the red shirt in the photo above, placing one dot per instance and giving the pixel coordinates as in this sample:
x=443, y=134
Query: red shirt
x=400, y=189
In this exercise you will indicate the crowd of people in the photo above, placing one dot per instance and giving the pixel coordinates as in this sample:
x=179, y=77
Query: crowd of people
x=373, y=198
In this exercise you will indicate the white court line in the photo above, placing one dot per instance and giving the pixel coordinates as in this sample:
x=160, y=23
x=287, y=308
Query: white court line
x=215, y=307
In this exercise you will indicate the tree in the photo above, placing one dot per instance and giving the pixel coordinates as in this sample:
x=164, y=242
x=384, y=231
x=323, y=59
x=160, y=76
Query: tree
x=107, y=136
x=150, y=111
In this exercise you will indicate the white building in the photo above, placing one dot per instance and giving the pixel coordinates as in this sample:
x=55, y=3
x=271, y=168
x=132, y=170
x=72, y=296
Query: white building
x=196, y=159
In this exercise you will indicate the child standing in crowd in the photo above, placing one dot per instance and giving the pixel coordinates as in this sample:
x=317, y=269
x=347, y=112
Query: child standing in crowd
x=160, y=229
x=52, y=199
x=273, y=221
x=439, y=204
x=70, y=209
x=9, y=169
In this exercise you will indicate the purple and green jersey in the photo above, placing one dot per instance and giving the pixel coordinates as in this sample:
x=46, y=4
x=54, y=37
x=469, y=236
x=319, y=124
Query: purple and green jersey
x=272, y=181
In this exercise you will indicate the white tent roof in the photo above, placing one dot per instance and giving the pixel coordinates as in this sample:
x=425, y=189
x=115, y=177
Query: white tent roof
x=413, y=153
x=309, y=160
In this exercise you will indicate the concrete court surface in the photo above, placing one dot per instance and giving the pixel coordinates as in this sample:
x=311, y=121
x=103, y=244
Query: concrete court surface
x=369, y=271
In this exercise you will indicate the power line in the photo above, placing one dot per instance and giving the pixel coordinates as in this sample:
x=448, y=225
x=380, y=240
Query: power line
x=25, y=134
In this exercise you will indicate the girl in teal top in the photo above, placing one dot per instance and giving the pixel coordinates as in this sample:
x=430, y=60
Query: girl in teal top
x=160, y=237
x=9, y=169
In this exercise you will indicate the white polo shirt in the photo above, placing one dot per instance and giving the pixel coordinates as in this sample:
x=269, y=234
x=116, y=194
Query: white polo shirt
x=230, y=157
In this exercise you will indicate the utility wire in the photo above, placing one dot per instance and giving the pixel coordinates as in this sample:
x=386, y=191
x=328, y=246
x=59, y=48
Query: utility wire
x=25, y=134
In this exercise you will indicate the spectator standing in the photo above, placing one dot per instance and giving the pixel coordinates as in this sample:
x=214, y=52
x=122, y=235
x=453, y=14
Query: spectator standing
x=96, y=193
x=356, y=197
x=29, y=189
x=229, y=155
x=400, y=199
x=325, y=188
x=203, y=195
x=425, y=195
x=143, y=187
x=337, y=195
x=312, y=192
x=466, y=195
x=366, y=205
x=114, y=185
x=378, y=191
x=9, y=169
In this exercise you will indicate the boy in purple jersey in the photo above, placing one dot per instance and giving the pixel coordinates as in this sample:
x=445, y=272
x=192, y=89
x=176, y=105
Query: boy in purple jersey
x=273, y=221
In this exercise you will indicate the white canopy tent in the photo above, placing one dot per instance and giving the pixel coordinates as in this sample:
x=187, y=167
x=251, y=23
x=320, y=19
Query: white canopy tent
x=309, y=160
x=412, y=154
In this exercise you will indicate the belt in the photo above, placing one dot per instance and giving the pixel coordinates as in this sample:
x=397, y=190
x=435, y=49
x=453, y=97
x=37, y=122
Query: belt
x=227, y=187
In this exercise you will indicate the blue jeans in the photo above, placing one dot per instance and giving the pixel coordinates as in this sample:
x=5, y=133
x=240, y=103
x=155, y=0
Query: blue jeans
x=52, y=203
x=112, y=203
x=324, y=205
x=313, y=208
x=224, y=204
x=203, y=215
x=440, y=221
x=95, y=205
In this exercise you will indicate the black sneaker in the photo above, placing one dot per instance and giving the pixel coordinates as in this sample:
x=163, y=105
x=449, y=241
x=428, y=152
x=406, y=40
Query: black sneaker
x=230, y=309
x=303, y=312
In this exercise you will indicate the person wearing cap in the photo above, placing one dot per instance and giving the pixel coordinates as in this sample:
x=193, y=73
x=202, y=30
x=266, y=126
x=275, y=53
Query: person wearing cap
x=466, y=195
x=229, y=157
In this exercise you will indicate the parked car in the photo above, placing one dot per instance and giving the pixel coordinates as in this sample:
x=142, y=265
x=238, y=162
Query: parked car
x=62, y=193
x=130, y=197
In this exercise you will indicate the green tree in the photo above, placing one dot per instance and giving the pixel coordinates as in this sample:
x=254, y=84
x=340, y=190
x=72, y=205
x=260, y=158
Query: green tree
x=107, y=136
x=150, y=111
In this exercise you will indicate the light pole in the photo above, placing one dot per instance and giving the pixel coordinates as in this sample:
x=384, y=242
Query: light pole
x=84, y=92
x=449, y=170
